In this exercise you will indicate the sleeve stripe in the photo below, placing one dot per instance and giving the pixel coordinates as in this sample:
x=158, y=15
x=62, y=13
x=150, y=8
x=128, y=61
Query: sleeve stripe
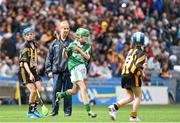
x=140, y=59
x=88, y=50
x=25, y=50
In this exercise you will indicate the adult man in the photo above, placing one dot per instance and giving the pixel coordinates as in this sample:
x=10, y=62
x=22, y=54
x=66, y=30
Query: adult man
x=56, y=67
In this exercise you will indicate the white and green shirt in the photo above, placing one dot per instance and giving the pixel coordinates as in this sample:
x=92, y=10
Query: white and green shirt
x=75, y=58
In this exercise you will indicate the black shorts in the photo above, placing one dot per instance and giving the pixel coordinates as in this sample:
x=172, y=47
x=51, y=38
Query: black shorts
x=129, y=80
x=23, y=76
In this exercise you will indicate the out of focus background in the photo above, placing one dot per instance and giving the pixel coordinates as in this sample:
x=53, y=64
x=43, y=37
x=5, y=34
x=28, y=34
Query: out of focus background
x=111, y=23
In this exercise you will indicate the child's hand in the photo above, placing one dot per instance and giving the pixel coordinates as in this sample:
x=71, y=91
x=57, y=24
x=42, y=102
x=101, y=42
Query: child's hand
x=75, y=48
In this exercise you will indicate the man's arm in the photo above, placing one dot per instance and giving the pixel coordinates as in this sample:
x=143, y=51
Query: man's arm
x=49, y=61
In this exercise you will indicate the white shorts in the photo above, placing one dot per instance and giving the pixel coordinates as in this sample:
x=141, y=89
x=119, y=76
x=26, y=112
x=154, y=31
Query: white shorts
x=78, y=73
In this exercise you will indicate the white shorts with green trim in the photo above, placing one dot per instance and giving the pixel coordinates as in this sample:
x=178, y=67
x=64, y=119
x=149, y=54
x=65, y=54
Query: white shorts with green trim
x=78, y=73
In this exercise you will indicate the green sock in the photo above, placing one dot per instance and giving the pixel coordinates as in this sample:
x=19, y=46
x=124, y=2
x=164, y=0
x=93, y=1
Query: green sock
x=88, y=108
x=64, y=94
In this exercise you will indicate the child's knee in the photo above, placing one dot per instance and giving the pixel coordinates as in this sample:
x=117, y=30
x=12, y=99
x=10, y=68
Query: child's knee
x=33, y=92
x=138, y=95
x=84, y=89
x=131, y=98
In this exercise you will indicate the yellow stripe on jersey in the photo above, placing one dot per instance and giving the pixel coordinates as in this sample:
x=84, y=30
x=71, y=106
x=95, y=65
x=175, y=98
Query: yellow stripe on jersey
x=134, y=52
x=126, y=70
x=133, y=68
x=124, y=66
x=123, y=71
x=21, y=64
x=35, y=55
x=31, y=57
x=140, y=59
x=25, y=50
x=129, y=62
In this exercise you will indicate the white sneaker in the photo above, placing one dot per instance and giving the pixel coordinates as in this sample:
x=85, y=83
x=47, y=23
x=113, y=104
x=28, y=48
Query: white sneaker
x=134, y=119
x=112, y=112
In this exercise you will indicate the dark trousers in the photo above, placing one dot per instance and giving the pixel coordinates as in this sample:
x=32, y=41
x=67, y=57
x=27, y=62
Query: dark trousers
x=62, y=82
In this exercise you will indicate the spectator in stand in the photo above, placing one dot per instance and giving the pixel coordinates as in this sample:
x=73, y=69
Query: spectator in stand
x=155, y=46
x=165, y=73
x=14, y=66
x=6, y=69
x=99, y=70
x=154, y=64
x=8, y=46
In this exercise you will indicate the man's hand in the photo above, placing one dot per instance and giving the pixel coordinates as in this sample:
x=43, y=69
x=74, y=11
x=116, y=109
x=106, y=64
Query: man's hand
x=50, y=74
x=31, y=77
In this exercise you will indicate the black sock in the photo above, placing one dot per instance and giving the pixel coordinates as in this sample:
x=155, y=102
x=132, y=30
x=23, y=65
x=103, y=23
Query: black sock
x=116, y=107
x=32, y=107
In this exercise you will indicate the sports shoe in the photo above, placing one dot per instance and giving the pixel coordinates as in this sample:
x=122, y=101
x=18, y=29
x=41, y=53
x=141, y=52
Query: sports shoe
x=92, y=115
x=112, y=112
x=67, y=114
x=32, y=115
x=36, y=112
x=136, y=119
x=53, y=114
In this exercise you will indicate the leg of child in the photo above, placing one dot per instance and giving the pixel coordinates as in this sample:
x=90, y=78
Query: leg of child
x=138, y=94
x=126, y=100
x=32, y=90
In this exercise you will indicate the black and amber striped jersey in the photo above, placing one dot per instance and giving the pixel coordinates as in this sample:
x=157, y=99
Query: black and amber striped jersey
x=29, y=55
x=134, y=61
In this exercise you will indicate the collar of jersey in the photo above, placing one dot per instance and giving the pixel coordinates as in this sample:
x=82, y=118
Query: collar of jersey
x=78, y=43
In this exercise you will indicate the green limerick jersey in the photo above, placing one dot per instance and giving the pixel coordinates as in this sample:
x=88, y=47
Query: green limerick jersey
x=75, y=58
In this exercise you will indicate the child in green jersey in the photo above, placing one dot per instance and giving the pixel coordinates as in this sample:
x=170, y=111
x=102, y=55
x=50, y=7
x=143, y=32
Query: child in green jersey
x=78, y=53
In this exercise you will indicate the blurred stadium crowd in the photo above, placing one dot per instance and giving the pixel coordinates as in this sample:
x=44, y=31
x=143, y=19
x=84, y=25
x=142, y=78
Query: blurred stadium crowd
x=111, y=25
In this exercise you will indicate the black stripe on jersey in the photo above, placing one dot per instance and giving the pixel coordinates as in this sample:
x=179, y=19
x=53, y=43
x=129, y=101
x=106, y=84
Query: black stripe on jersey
x=139, y=61
x=134, y=61
x=133, y=55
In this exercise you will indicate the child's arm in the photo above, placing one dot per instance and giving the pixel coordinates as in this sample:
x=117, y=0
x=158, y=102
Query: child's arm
x=24, y=59
x=84, y=54
x=31, y=76
x=69, y=49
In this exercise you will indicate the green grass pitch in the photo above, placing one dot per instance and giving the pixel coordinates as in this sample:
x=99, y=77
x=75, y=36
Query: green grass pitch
x=147, y=113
